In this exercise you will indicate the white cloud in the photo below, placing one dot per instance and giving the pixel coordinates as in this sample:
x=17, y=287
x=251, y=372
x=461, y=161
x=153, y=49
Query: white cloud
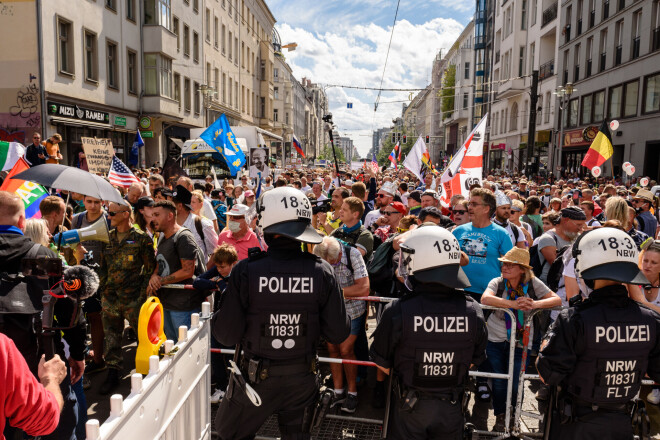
x=355, y=56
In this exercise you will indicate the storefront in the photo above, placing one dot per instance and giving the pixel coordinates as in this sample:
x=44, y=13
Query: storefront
x=539, y=157
x=575, y=145
x=498, y=159
x=74, y=122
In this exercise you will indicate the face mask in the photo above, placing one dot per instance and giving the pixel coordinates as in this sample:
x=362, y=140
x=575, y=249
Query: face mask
x=233, y=226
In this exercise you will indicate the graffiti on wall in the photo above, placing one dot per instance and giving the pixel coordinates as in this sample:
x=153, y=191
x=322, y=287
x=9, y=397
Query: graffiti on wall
x=23, y=113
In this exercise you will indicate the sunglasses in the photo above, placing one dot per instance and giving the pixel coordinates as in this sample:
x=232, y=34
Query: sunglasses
x=382, y=195
x=459, y=211
x=114, y=213
x=390, y=212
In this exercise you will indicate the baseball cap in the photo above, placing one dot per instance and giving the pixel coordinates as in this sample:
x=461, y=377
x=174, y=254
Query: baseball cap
x=238, y=210
x=399, y=207
x=248, y=193
x=182, y=195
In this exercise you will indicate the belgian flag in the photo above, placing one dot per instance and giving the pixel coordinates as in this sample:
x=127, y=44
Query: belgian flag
x=601, y=148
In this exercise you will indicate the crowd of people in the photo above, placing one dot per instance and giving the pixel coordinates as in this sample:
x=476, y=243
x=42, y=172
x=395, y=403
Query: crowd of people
x=515, y=241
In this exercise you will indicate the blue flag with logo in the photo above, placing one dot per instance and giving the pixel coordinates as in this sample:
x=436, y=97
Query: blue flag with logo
x=220, y=137
x=137, y=143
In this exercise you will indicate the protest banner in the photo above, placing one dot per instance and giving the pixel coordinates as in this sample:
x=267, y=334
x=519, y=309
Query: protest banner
x=99, y=152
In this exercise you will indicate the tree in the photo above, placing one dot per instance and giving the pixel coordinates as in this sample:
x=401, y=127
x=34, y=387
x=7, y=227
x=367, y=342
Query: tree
x=326, y=154
x=448, y=91
x=388, y=146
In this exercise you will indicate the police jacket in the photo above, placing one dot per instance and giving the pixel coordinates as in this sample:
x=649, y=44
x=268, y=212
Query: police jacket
x=20, y=327
x=279, y=302
x=600, y=350
x=431, y=337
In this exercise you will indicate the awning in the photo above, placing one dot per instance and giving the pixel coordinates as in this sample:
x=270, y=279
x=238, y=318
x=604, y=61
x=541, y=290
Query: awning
x=198, y=146
x=67, y=121
x=178, y=142
x=269, y=134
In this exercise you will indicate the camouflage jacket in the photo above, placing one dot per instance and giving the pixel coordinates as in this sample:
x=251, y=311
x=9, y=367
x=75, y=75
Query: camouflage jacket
x=126, y=266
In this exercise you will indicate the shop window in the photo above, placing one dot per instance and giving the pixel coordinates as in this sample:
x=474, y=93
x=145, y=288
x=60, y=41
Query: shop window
x=652, y=93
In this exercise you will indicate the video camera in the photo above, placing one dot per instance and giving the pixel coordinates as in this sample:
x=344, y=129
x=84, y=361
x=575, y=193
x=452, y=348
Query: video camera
x=323, y=206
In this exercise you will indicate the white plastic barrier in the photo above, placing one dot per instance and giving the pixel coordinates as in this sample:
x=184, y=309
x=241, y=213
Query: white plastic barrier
x=172, y=401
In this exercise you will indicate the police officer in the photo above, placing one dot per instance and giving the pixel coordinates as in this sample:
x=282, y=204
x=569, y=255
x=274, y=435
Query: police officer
x=127, y=261
x=430, y=338
x=598, y=352
x=276, y=306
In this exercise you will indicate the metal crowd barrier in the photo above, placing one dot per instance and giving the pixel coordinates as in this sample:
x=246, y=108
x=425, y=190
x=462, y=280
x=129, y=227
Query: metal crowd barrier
x=172, y=401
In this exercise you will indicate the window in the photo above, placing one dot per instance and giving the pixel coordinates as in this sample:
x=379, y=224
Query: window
x=196, y=98
x=606, y=10
x=231, y=7
x=175, y=31
x=230, y=51
x=652, y=93
x=599, y=106
x=262, y=102
x=630, y=95
x=236, y=50
x=131, y=72
x=636, y=32
x=503, y=123
x=592, y=13
x=195, y=5
x=224, y=88
x=514, y=117
x=276, y=93
x=236, y=11
x=150, y=74
x=91, y=56
x=547, y=107
x=618, y=38
x=186, y=94
x=521, y=61
x=275, y=115
x=535, y=8
x=236, y=94
x=158, y=12
x=111, y=4
x=494, y=123
x=222, y=38
x=589, y=54
x=603, y=51
x=243, y=54
x=113, y=65
x=208, y=25
x=177, y=89
x=186, y=40
x=195, y=47
x=165, y=73
x=576, y=63
x=215, y=32
x=465, y=100
x=573, y=105
x=569, y=21
x=286, y=118
x=467, y=70
x=655, y=26
x=587, y=109
x=523, y=16
x=615, y=101
x=216, y=82
x=130, y=10
x=523, y=115
x=158, y=75
x=276, y=74
x=65, y=46
x=208, y=74
x=231, y=92
x=578, y=16
x=532, y=55
x=243, y=99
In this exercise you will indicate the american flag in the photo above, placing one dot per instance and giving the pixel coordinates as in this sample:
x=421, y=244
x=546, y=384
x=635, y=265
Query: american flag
x=120, y=175
x=374, y=163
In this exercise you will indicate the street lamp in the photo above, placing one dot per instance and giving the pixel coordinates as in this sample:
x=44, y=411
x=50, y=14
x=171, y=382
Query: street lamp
x=564, y=94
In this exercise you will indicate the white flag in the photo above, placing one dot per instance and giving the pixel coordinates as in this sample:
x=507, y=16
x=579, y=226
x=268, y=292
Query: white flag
x=413, y=160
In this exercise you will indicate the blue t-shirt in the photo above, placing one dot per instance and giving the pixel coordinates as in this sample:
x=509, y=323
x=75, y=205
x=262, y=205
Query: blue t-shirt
x=484, y=246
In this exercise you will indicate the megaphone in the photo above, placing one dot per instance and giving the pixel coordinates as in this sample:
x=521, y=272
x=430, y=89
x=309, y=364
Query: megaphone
x=96, y=231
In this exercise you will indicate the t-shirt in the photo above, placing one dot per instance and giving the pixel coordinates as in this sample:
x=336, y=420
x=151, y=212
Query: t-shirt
x=647, y=223
x=180, y=246
x=243, y=244
x=569, y=271
x=509, y=229
x=483, y=246
x=547, y=240
x=94, y=246
x=496, y=321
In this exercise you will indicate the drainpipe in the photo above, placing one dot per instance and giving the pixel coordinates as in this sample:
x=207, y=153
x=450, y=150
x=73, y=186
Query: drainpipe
x=141, y=24
x=42, y=92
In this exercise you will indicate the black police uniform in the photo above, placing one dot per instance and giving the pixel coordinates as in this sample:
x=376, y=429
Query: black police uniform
x=430, y=338
x=22, y=328
x=598, y=352
x=277, y=305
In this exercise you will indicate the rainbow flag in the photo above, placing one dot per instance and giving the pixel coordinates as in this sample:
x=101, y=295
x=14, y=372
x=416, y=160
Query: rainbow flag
x=31, y=193
x=601, y=148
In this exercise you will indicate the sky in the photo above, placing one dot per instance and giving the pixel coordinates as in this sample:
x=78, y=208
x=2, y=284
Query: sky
x=344, y=42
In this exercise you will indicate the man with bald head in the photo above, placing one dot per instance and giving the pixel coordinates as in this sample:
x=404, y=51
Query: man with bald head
x=14, y=248
x=135, y=191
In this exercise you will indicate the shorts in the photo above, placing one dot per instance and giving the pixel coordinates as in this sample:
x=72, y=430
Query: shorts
x=357, y=324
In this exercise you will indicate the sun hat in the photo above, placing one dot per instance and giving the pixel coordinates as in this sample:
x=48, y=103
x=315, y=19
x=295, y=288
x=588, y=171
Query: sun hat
x=517, y=256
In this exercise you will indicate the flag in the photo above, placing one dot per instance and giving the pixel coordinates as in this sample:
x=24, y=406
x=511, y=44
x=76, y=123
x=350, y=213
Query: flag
x=399, y=155
x=31, y=193
x=220, y=137
x=216, y=184
x=171, y=168
x=298, y=146
x=601, y=148
x=374, y=163
x=414, y=161
x=120, y=175
x=465, y=167
x=10, y=152
x=392, y=157
x=137, y=143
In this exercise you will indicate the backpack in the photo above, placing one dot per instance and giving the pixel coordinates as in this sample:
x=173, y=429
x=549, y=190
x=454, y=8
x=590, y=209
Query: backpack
x=555, y=273
x=535, y=258
x=220, y=210
x=380, y=268
x=347, y=252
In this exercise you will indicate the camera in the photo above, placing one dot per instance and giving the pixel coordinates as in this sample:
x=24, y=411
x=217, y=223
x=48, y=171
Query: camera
x=323, y=206
x=327, y=118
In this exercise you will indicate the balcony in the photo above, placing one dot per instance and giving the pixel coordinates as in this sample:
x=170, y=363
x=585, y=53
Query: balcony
x=549, y=14
x=479, y=41
x=511, y=88
x=635, y=48
x=655, y=43
x=617, y=55
x=588, y=73
x=158, y=39
x=546, y=70
x=603, y=61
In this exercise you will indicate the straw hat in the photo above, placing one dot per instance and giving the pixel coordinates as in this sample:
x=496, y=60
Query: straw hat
x=517, y=256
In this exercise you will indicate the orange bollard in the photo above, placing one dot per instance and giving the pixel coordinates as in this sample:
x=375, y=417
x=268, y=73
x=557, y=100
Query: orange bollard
x=150, y=333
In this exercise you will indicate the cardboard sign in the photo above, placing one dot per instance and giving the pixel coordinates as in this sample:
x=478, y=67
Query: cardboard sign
x=99, y=152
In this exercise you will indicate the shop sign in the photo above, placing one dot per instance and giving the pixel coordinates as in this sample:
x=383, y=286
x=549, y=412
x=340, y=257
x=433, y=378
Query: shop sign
x=145, y=122
x=577, y=138
x=541, y=137
x=120, y=121
x=500, y=146
x=589, y=133
x=98, y=152
x=147, y=134
x=76, y=112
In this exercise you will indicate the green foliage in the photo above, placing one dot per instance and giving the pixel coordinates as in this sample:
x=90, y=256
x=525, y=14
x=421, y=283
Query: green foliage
x=448, y=84
x=326, y=154
x=388, y=146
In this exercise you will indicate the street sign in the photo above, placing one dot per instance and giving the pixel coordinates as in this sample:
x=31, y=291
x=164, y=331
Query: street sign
x=147, y=134
x=120, y=121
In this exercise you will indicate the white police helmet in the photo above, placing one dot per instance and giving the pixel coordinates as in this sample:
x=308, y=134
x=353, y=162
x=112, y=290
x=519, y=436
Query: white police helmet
x=607, y=254
x=287, y=211
x=431, y=254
